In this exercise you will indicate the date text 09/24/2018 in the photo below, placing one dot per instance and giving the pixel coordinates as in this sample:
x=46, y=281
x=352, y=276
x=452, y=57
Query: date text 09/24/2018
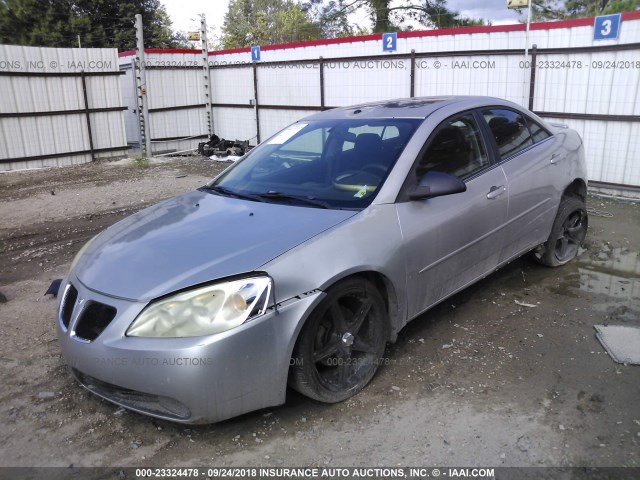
x=579, y=64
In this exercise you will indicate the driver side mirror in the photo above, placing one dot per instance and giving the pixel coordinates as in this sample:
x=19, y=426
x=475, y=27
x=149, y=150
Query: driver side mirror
x=437, y=184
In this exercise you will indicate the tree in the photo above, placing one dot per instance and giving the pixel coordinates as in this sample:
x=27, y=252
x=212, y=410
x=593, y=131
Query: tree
x=332, y=18
x=33, y=22
x=386, y=17
x=99, y=23
x=264, y=22
x=436, y=14
x=555, y=9
x=260, y=22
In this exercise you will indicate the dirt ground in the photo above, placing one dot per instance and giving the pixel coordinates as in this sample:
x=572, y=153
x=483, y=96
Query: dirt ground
x=477, y=381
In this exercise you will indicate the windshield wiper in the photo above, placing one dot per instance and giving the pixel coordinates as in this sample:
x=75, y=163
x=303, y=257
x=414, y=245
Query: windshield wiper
x=232, y=193
x=300, y=198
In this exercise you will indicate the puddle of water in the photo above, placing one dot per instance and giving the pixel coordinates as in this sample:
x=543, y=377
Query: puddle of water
x=615, y=273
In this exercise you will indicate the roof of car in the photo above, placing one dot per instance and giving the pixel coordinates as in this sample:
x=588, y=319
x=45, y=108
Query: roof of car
x=420, y=107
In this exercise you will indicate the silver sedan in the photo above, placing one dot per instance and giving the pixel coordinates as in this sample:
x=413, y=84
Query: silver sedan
x=298, y=263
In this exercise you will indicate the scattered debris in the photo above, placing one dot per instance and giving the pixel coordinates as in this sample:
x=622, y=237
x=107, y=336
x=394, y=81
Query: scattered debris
x=54, y=288
x=221, y=148
x=622, y=343
x=229, y=158
x=599, y=213
x=523, y=304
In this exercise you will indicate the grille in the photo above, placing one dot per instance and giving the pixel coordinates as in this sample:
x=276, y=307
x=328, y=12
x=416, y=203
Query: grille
x=143, y=402
x=68, y=303
x=93, y=320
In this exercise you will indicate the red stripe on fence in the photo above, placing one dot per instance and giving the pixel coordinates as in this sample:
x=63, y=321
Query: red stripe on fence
x=578, y=22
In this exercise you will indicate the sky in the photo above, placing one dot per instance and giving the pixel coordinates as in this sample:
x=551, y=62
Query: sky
x=185, y=13
x=495, y=11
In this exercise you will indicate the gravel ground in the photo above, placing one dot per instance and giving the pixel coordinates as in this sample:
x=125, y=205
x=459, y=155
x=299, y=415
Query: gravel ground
x=479, y=381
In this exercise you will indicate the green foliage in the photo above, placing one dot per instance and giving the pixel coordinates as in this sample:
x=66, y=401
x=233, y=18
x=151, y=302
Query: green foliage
x=332, y=18
x=141, y=163
x=556, y=9
x=388, y=16
x=435, y=14
x=429, y=13
x=100, y=23
x=264, y=22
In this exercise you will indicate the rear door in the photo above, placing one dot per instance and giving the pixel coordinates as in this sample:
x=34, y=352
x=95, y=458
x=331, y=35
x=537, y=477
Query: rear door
x=451, y=241
x=525, y=150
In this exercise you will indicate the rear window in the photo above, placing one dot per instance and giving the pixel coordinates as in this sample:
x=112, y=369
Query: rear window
x=509, y=129
x=538, y=133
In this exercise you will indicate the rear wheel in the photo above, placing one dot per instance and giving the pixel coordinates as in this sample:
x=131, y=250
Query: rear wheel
x=568, y=233
x=340, y=346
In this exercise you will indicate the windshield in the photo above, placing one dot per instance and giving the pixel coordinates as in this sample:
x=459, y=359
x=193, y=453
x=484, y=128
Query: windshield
x=323, y=164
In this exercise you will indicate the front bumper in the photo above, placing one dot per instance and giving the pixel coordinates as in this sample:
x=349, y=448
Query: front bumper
x=188, y=380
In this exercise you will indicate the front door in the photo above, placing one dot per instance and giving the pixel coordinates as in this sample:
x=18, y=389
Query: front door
x=452, y=240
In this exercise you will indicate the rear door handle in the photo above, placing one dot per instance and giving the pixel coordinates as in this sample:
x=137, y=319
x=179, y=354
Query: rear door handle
x=495, y=192
x=555, y=158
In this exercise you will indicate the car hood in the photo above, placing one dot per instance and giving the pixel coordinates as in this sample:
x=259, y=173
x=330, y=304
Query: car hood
x=195, y=238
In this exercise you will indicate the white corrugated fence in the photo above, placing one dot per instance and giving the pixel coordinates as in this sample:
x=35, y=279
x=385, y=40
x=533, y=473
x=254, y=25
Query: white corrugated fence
x=591, y=85
x=59, y=106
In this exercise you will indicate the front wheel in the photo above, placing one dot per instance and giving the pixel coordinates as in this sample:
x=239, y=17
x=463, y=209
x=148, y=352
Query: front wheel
x=341, y=344
x=568, y=233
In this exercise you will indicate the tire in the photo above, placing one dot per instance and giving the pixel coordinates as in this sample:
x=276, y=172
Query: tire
x=568, y=233
x=340, y=346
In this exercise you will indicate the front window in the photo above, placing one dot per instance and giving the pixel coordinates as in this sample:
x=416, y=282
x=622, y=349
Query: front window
x=457, y=148
x=326, y=164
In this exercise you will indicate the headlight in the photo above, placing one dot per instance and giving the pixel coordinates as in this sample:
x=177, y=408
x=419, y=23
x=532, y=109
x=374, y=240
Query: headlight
x=204, y=311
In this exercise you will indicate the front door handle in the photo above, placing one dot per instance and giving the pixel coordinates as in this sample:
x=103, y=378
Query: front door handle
x=495, y=192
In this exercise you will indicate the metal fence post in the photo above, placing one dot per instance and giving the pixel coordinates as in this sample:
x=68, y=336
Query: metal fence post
x=412, y=91
x=141, y=81
x=207, y=73
x=321, y=83
x=255, y=99
x=86, y=113
x=532, y=80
